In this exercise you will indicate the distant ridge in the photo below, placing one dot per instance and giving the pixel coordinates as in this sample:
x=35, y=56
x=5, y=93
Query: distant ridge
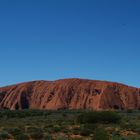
x=69, y=94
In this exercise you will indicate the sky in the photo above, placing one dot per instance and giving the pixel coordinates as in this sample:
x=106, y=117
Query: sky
x=56, y=39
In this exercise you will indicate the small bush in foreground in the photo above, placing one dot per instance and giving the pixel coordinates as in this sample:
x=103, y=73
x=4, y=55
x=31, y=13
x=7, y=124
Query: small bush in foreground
x=129, y=111
x=13, y=131
x=101, y=134
x=21, y=137
x=32, y=129
x=85, y=132
x=36, y=136
x=4, y=135
x=47, y=137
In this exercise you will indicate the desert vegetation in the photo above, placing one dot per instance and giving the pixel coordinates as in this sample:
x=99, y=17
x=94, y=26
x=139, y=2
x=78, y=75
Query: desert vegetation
x=69, y=125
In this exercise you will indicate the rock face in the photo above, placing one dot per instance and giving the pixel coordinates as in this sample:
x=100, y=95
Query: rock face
x=69, y=94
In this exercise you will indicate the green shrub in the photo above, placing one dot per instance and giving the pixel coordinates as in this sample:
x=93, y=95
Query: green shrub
x=76, y=130
x=110, y=117
x=33, y=129
x=22, y=114
x=50, y=130
x=99, y=117
x=64, y=115
x=56, y=129
x=13, y=131
x=129, y=111
x=4, y=135
x=101, y=134
x=66, y=131
x=61, y=138
x=121, y=138
x=21, y=137
x=131, y=126
x=85, y=132
x=36, y=135
x=47, y=137
x=90, y=126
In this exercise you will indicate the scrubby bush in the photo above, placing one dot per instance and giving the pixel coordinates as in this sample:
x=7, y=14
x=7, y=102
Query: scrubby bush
x=23, y=114
x=21, y=137
x=4, y=135
x=129, y=111
x=90, y=126
x=135, y=127
x=56, y=129
x=49, y=130
x=85, y=132
x=47, y=137
x=101, y=134
x=36, y=135
x=122, y=138
x=76, y=130
x=66, y=131
x=110, y=117
x=32, y=129
x=64, y=115
x=99, y=117
x=13, y=131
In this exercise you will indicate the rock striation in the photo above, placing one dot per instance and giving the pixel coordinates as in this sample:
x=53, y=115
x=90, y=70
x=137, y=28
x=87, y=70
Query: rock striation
x=69, y=94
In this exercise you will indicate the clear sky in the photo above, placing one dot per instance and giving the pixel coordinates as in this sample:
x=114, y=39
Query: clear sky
x=55, y=39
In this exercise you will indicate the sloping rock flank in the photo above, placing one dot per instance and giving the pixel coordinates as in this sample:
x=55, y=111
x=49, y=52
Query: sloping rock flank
x=69, y=94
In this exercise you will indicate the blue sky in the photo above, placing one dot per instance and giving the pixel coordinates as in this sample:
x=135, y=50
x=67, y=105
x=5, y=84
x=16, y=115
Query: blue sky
x=55, y=39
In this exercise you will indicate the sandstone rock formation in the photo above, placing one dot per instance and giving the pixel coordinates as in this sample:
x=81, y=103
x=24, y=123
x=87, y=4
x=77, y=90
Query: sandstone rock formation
x=69, y=94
